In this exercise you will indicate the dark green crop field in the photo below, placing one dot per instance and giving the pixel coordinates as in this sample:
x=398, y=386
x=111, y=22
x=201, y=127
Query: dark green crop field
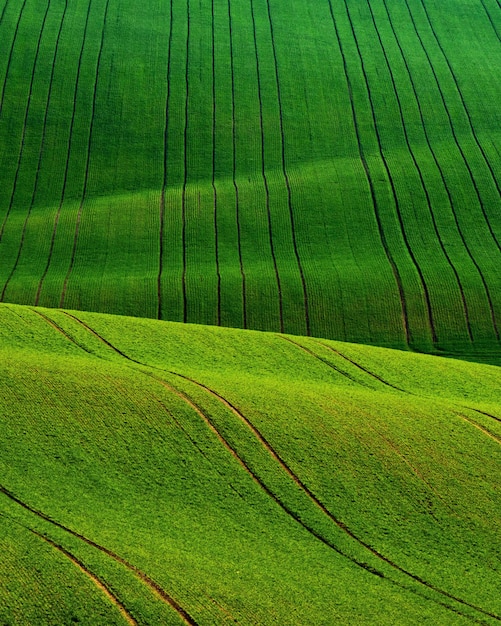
x=160, y=473
x=321, y=167
x=178, y=176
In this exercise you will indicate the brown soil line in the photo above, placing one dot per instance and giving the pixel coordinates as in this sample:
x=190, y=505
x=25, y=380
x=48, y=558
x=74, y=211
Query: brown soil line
x=481, y=428
x=99, y=583
x=155, y=587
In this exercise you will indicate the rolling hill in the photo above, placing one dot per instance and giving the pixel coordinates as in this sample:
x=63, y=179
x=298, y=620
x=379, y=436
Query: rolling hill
x=162, y=473
x=326, y=168
x=178, y=177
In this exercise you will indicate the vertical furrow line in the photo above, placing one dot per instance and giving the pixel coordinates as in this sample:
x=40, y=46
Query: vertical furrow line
x=165, y=178
x=23, y=137
x=14, y=39
x=41, y=151
x=213, y=182
x=185, y=174
x=413, y=156
x=442, y=175
x=42, y=145
x=470, y=123
x=375, y=203
x=263, y=173
x=234, y=168
x=453, y=131
x=3, y=11
x=87, y=164
x=490, y=20
x=424, y=286
x=286, y=177
x=68, y=154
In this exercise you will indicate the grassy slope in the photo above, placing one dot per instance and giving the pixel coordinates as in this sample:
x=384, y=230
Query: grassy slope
x=327, y=168
x=250, y=476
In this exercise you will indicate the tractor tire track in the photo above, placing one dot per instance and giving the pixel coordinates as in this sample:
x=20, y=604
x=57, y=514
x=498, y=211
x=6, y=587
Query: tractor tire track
x=185, y=161
x=68, y=154
x=264, y=175
x=3, y=11
x=468, y=167
x=425, y=291
x=41, y=152
x=413, y=156
x=21, y=149
x=490, y=20
x=213, y=175
x=60, y=330
x=11, y=53
x=286, y=468
x=370, y=182
x=472, y=128
x=384, y=243
x=362, y=368
x=496, y=438
x=324, y=361
x=441, y=171
x=87, y=163
x=234, y=167
x=42, y=145
x=101, y=585
x=165, y=170
x=153, y=586
x=286, y=176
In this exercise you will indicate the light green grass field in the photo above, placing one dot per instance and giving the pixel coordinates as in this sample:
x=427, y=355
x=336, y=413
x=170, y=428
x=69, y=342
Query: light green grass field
x=161, y=473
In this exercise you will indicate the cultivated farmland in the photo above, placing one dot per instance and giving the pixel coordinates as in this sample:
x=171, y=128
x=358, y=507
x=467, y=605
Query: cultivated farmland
x=161, y=473
x=326, y=168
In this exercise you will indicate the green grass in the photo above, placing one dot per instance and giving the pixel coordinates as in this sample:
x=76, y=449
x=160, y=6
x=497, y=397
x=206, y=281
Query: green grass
x=330, y=170
x=327, y=172
x=251, y=476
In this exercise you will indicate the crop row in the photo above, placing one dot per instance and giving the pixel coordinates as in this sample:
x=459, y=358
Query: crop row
x=326, y=172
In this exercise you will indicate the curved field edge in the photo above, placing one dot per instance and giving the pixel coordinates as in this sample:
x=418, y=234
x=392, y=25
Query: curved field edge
x=189, y=474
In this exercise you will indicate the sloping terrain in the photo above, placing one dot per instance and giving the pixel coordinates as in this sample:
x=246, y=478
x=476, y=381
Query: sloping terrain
x=163, y=473
x=327, y=168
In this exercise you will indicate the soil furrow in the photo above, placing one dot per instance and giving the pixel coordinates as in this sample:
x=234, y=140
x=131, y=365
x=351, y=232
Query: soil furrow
x=234, y=169
x=263, y=172
x=496, y=438
x=11, y=52
x=470, y=174
x=286, y=176
x=362, y=368
x=68, y=154
x=154, y=586
x=87, y=162
x=324, y=361
x=370, y=182
x=21, y=150
x=470, y=123
x=41, y=151
x=413, y=156
x=165, y=170
x=185, y=162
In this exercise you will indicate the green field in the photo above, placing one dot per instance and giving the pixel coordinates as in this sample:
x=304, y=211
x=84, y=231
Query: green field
x=326, y=168
x=161, y=473
x=178, y=176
